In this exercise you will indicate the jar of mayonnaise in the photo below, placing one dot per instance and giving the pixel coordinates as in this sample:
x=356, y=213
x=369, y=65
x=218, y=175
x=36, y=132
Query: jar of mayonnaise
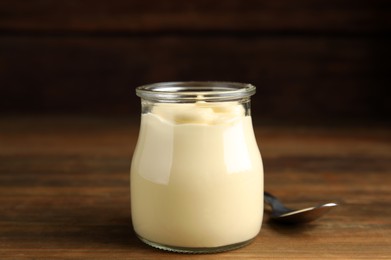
x=196, y=173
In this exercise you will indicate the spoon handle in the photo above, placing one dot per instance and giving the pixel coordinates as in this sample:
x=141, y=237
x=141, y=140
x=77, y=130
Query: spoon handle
x=277, y=206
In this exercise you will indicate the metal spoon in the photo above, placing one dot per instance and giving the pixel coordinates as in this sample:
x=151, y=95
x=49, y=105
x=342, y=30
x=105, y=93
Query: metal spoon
x=282, y=214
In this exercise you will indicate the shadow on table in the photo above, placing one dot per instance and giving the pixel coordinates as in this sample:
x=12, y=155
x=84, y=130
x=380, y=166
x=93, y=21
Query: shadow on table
x=287, y=229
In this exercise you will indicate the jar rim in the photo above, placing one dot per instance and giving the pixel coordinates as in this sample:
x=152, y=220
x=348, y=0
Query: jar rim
x=192, y=91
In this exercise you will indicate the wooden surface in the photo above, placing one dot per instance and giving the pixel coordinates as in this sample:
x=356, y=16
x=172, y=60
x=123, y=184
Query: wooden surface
x=64, y=191
x=310, y=59
x=195, y=15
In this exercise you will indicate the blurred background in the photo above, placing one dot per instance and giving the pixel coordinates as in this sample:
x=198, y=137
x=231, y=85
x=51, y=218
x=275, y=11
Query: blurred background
x=316, y=61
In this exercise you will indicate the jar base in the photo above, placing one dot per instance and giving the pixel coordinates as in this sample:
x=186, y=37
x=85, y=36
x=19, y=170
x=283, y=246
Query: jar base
x=195, y=250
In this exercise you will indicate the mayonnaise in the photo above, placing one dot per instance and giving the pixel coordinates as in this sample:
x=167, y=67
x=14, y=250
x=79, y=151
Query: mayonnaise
x=197, y=176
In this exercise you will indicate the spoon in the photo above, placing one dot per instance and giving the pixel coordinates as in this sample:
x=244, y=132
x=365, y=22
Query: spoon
x=282, y=214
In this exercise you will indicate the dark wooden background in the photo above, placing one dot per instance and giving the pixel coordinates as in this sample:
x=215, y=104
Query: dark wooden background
x=316, y=60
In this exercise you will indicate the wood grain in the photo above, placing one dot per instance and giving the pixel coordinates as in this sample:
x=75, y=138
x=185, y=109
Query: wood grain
x=196, y=15
x=296, y=77
x=64, y=190
x=317, y=60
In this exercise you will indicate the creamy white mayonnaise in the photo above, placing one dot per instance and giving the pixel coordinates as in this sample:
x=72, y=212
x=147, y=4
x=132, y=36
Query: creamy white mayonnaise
x=197, y=176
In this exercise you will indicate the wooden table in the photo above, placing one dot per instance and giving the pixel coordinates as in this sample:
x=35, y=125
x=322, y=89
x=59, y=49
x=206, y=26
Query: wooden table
x=64, y=191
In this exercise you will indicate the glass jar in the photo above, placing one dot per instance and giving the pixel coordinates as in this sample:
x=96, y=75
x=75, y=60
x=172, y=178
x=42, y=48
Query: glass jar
x=196, y=174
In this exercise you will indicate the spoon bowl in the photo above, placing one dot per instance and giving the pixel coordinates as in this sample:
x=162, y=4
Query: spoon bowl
x=282, y=214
